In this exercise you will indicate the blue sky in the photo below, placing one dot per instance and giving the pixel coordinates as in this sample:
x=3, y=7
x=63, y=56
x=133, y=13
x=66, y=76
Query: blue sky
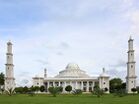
x=53, y=33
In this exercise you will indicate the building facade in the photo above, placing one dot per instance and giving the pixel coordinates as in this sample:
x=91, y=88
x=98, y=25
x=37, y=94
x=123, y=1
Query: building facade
x=75, y=77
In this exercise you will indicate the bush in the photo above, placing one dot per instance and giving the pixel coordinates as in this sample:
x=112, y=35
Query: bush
x=19, y=90
x=25, y=89
x=138, y=90
x=55, y=90
x=77, y=92
x=10, y=92
x=133, y=90
x=42, y=88
x=97, y=91
x=120, y=93
x=60, y=89
x=68, y=88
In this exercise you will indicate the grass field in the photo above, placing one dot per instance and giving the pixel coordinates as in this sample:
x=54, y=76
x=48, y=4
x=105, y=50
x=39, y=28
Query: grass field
x=68, y=99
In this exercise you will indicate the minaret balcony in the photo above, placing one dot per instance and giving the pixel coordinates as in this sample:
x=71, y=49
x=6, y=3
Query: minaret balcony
x=132, y=62
x=130, y=51
x=9, y=64
x=9, y=54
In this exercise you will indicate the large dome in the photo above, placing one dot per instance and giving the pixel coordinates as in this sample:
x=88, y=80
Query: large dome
x=72, y=70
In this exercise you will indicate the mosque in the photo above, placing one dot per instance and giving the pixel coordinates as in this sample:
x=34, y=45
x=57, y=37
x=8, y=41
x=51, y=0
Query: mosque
x=73, y=75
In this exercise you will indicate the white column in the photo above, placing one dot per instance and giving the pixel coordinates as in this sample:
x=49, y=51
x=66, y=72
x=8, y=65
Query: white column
x=47, y=85
x=53, y=83
x=59, y=83
x=64, y=86
x=82, y=85
x=87, y=86
x=71, y=84
x=76, y=85
x=65, y=83
x=93, y=83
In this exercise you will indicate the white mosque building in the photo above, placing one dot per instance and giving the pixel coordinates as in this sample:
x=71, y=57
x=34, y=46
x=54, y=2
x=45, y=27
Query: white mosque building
x=73, y=75
x=78, y=79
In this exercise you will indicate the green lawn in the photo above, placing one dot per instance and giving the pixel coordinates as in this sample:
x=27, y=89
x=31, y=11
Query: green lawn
x=68, y=99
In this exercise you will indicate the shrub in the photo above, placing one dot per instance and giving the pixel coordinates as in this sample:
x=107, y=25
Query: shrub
x=120, y=93
x=133, y=90
x=10, y=92
x=97, y=91
x=42, y=88
x=60, y=89
x=77, y=92
x=25, y=89
x=19, y=90
x=138, y=90
x=68, y=88
x=55, y=90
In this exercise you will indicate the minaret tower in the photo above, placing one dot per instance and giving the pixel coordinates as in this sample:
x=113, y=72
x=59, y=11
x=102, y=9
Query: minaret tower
x=131, y=77
x=9, y=76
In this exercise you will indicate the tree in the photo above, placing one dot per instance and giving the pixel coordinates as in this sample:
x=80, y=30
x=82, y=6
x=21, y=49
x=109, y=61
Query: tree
x=60, y=89
x=138, y=90
x=68, y=88
x=25, y=89
x=19, y=90
x=42, y=88
x=37, y=88
x=97, y=91
x=115, y=84
x=34, y=88
x=133, y=90
x=54, y=90
x=1, y=79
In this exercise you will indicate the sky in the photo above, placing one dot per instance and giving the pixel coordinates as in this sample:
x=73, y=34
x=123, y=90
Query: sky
x=52, y=33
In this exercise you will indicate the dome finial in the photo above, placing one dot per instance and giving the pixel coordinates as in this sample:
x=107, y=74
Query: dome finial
x=9, y=42
x=103, y=70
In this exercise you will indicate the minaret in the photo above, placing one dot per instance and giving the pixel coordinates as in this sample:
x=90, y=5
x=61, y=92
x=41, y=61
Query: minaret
x=131, y=77
x=45, y=73
x=9, y=76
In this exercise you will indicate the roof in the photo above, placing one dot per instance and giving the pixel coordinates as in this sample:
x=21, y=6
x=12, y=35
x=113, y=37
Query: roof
x=72, y=70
